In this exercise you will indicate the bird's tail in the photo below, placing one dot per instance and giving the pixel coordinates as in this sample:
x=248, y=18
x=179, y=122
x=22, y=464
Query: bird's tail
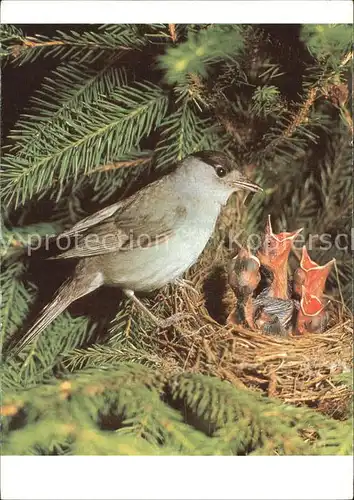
x=71, y=290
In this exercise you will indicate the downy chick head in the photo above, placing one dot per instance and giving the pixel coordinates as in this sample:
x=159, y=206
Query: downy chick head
x=243, y=273
x=275, y=248
x=243, y=277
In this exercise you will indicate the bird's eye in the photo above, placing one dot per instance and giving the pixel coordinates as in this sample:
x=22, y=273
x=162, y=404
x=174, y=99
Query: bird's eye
x=221, y=172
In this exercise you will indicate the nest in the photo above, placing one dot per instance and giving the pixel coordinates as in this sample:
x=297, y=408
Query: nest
x=300, y=370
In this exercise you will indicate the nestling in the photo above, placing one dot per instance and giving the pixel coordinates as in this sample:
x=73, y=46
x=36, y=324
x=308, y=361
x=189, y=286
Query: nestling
x=273, y=255
x=273, y=307
x=149, y=239
x=243, y=277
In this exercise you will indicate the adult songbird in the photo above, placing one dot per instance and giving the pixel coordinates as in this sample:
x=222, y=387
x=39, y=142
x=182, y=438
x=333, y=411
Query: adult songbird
x=273, y=256
x=311, y=275
x=243, y=277
x=312, y=316
x=149, y=239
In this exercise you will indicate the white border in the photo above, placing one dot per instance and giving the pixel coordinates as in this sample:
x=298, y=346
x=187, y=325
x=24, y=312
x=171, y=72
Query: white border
x=92, y=478
x=274, y=11
x=176, y=477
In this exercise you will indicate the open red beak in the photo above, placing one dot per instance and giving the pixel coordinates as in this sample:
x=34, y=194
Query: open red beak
x=311, y=275
x=310, y=305
x=276, y=247
x=274, y=254
x=312, y=316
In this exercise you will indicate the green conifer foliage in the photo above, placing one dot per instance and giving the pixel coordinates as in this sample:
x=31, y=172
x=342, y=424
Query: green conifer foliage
x=119, y=106
x=136, y=411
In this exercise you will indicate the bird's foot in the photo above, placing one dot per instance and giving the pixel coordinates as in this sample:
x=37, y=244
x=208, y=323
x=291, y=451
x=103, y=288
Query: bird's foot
x=161, y=323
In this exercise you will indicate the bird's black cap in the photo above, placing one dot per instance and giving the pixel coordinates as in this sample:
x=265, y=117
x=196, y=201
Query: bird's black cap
x=217, y=158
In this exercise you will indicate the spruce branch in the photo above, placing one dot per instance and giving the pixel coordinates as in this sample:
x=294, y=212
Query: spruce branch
x=327, y=42
x=201, y=49
x=72, y=85
x=108, y=356
x=104, y=180
x=183, y=132
x=196, y=415
x=39, y=361
x=322, y=88
x=16, y=240
x=297, y=120
x=121, y=164
x=87, y=46
x=114, y=127
x=15, y=299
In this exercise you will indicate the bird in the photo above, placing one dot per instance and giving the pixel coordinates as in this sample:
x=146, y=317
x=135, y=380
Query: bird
x=273, y=315
x=243, y=278
x=311, y=275
x=273, y=306
x=149, y=239
x=312, y=316
x=273, y=255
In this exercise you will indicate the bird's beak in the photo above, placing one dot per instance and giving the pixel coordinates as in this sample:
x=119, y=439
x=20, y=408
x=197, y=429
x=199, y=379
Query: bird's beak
x=280, y=238
x=313, y=275
x=311, y=305
x=307, y=264
x=245, y=183
x=277, y=246
x=238, y=180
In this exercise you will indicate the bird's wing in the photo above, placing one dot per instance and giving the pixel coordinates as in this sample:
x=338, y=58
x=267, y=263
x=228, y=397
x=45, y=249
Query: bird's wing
x=96, y=218
x=123, y=226
x=281, y=308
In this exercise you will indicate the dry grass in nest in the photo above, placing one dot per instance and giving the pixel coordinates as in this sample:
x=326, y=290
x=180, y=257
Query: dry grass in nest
x=299, y=370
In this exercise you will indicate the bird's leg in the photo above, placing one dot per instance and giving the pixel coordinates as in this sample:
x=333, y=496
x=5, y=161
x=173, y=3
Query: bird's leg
x=162, y=323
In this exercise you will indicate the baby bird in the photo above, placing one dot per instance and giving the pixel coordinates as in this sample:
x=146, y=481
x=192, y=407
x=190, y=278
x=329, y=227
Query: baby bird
x=244, y=277
x=273, y=315
x=273, y=256
x=273, y=308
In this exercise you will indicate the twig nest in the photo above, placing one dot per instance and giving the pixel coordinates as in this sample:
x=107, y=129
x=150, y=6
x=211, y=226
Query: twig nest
x=301, y=370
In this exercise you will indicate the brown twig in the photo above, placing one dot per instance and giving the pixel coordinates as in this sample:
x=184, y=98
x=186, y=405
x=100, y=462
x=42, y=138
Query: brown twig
x=121, y=164
x=347, y=117
x=301, y=117
x=297, y=120
x=173, y=32
x=347, y=58
x=29, y=43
